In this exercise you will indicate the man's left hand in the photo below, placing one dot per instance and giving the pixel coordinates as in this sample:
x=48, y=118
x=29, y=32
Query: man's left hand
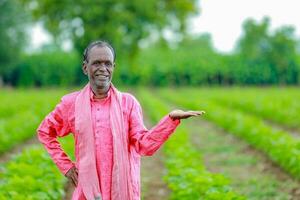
x=180, y=114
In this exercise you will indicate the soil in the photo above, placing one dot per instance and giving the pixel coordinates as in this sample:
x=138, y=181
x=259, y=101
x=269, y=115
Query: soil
x=250, y=171
x=17, y=149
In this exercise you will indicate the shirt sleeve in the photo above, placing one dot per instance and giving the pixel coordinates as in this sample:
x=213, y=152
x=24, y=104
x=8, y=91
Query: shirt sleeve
x=56, y=125
x=147, y=142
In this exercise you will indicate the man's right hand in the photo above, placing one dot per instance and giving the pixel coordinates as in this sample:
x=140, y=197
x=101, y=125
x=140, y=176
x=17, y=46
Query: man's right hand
x=72, y=175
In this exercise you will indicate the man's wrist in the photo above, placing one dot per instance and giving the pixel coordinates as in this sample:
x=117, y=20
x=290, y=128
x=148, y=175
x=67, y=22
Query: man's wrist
x=173, y=118
x=66, y=172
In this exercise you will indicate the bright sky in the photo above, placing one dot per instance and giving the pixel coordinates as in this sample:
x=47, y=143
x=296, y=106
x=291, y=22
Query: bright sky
x=39, y=36
x=223, y=19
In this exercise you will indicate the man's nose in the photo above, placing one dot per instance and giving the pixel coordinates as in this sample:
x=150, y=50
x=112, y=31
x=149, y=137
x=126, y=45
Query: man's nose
x=102, y=66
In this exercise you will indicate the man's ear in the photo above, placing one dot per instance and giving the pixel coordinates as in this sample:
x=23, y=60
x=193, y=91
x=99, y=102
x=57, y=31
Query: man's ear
x=84, y=68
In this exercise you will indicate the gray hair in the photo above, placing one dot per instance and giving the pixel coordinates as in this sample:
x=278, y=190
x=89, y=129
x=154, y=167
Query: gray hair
x=98, y=43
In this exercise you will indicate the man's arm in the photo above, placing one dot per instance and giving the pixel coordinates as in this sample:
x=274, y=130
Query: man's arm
x=56, y=125
x=147, y=142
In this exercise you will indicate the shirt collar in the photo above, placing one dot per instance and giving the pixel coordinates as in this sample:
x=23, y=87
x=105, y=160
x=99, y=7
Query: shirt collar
x=92, y=95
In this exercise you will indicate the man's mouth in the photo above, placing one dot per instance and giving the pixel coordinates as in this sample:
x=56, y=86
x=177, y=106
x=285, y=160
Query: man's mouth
x=101, y=76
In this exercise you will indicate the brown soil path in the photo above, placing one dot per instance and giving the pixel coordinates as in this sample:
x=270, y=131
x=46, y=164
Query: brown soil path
x=152, y=172
x=251, y=173
x=18, y=148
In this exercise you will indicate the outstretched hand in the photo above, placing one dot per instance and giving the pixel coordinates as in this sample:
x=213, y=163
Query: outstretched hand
x=180, y=114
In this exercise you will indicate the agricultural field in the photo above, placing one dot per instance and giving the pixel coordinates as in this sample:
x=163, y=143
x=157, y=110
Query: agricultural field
x=246, y=146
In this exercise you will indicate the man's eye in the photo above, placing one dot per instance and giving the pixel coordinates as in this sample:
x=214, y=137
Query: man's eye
x=109, y=64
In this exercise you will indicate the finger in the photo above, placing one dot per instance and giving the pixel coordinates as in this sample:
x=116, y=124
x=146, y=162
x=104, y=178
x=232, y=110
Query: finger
x=187, y=116
x=74, y=176
x=193, y=114
x=198, y=112
x=74, y=181
x=71, y=181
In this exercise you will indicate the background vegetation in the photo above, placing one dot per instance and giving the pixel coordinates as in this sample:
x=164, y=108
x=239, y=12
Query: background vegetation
x=247, y=145
x=261, y=56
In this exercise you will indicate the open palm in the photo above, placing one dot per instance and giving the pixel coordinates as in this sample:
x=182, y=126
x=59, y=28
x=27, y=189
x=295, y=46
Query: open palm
x=180, y=114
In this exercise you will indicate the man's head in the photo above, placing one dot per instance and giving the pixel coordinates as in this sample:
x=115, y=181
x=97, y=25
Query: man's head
x=99, y=63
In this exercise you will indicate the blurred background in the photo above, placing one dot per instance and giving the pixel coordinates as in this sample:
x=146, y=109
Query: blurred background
x=239, y=60
x=176, y=42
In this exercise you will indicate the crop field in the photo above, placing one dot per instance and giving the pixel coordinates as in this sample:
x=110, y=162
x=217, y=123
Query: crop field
x=246, y=146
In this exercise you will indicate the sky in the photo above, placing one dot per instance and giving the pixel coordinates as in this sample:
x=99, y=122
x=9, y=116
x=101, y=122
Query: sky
x=39, y=36
x=223, y=19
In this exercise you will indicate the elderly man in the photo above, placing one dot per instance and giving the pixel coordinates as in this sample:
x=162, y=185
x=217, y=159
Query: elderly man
x=109, y=132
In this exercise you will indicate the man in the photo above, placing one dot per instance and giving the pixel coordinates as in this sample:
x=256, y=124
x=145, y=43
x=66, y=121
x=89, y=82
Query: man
x=109, y=132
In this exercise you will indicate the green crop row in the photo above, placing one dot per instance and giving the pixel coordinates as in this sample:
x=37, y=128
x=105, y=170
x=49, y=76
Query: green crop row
x=17, y=129
x=22, y=115
x=279, y=146
x=279, y=105
x=16, y=101
x=32, y=175
x=186, y=174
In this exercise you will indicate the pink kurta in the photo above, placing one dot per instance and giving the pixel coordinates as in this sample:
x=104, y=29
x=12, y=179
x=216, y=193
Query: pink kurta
x=104, y=144
x=61, y=121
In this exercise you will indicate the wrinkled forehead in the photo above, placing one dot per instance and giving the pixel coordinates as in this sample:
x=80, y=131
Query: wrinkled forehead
x=101, y=53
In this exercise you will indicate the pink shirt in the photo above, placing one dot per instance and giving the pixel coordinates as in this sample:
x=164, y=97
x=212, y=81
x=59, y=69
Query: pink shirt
x=61, y=121
x=104, y=143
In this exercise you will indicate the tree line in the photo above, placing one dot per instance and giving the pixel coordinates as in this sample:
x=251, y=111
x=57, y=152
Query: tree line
x=261, y=56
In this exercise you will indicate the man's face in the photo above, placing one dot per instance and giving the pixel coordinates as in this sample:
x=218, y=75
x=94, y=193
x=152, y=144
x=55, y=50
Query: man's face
x=100, y=67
